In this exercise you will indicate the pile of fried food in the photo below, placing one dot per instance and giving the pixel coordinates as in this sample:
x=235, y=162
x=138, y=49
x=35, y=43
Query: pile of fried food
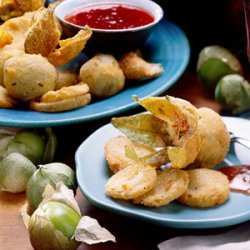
x=31, y=50
x=167, y=154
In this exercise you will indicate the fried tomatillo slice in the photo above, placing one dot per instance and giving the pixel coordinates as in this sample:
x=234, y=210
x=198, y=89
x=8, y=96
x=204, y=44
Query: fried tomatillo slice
x=115, y=152
x=43, y=37
x=131, y=182
x=70, y=48
x=170, y=184
x=215, y=139
x=135, y=67
x=65, y=93
x=63, y=105
x=207, y=188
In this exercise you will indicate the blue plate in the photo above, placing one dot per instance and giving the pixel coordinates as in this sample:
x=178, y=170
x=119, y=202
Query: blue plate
x=93, y=173
x=167, y=45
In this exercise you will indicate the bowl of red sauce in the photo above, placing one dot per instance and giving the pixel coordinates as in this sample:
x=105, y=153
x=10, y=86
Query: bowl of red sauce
x=115, y=23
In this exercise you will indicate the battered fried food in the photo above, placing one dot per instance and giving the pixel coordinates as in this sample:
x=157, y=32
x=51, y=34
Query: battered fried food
x=27, y=77
x=5, y=37
x=6, y=101
x=103, y=75
x=135, y=67
x=215, y=139
x=131, y=182
x=66, y=98
x=43, y=37
x=14, y=8
x=70, y=48
x=62, y=105
x=207, y=188
x=6, y=54
x=116, y=156
x=65, y=78
x=170, y=184
x=65, y=93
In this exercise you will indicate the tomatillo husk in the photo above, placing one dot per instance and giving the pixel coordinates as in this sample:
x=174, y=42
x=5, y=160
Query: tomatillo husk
x=51, y=173
x=57, y=223
x=15, y=172
x=29, y=144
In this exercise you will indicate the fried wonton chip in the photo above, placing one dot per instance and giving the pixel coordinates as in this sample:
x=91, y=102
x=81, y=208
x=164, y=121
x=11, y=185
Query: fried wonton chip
x=63, y=105
x=207, y=188
x=5, y=37
x=173, y=125
x=131, y=182
x=170, y=184
x=44, y=35
x=70, y=48
x=135, y=67
x=6, y=101
x=14, y=8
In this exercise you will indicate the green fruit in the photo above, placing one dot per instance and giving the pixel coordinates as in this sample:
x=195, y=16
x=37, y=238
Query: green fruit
x=233, y=93
x=215, y=62
x=63, y=217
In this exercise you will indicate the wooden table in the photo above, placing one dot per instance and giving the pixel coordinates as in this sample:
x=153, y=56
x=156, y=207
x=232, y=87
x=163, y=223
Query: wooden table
x=130, y=233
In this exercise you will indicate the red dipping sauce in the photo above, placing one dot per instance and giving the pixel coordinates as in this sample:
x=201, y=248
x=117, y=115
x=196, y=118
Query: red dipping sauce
x=239, y=178
x=110, y=16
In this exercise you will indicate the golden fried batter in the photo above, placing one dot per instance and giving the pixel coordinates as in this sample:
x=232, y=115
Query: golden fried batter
x=215, y=139
x=131, y=182
x=207, y=188
x=27, y=77
x=135, y=67
x=116, y=156
x=170, y=184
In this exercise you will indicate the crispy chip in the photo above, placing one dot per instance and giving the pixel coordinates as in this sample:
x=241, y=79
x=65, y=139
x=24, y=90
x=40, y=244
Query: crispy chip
x=131, y=182
x=6, y=101
x=44, y=35
x=70, y=48
x=63, y=105
x=136, y=68
x=115, y=152
x=207, y=188
x=65, y=93
x=5, y=37
x=170, y=184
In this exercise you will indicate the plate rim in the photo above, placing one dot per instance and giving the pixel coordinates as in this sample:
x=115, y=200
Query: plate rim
x=106, y=113
x=175, y=223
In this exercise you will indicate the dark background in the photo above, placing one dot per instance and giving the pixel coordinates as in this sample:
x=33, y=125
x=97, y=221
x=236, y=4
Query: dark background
x=209, y=22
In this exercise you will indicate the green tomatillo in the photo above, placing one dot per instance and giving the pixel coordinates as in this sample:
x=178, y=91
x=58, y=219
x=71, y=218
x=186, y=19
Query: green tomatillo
x=214, y=62
x=57, y=223
x=233, y=94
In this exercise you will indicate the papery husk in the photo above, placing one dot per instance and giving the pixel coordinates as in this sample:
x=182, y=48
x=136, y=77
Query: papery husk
x=48, y=174
x=5, y=137
x=15, y=172
x=43, y=235
x=172, y=126
x=90, y=232
x=144, y=128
